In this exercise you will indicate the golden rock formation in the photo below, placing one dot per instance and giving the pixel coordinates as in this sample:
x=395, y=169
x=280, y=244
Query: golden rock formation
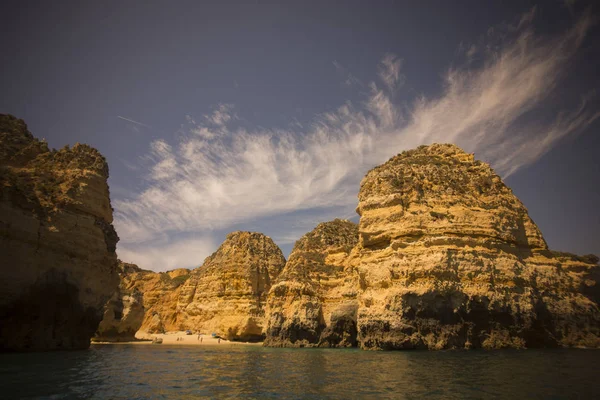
x=144, y=300
x=313, y=302
x=444, y=256
x=448, y=258
x=57, y=242
x=227, y=294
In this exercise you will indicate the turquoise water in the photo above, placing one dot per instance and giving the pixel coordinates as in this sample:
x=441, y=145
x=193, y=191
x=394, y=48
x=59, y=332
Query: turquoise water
x=181, y=372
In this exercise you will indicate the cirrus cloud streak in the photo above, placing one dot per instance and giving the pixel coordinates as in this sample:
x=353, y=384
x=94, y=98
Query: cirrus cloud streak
x=218, y=175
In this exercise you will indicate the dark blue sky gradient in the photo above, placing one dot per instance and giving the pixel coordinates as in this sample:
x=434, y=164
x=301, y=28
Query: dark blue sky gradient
x=69, y=68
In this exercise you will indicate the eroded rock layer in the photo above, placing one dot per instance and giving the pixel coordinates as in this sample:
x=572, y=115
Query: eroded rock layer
x=144, y=300
x=448, y=258
x=57, y=242
x=313, y=302
x=227, y=294
x=445, y=256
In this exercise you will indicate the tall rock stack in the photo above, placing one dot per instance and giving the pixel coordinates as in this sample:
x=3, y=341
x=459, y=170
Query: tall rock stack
x=227, y=294
x=448, y=258
x=57, y=242
x=313, y=302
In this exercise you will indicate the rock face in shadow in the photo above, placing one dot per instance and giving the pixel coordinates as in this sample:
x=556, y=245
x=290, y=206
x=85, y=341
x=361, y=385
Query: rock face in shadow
x=57, y=242
x=448, y=257
x=144, y=300
x=227, y=294
x=124, y=312
x=313, y=303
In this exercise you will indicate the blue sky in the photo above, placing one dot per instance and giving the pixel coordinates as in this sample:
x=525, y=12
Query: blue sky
x=229, y=115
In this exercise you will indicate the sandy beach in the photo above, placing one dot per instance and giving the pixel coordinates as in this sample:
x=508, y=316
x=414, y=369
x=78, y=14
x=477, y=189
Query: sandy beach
x=187, y=340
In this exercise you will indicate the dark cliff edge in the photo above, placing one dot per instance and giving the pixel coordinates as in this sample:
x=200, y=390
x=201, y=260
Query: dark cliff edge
x=57, y=242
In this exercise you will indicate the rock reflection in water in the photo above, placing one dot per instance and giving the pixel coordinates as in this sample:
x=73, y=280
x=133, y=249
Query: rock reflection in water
x=177, y=372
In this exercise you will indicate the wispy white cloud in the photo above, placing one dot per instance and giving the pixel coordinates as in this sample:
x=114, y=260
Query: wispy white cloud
x=349, y=79
x=167, y=255
x=221, y=115
x=389, y=71
x=217, y=176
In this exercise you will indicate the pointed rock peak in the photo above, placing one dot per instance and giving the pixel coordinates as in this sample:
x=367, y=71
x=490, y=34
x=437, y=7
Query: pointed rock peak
x=242, y=250
x=332, y=234
x=246, y=236
x=13, y=126
x=17, y=145
x=240, y=243
x=227, y=293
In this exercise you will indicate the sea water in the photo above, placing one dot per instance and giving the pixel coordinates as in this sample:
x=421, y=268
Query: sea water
x=183, y=372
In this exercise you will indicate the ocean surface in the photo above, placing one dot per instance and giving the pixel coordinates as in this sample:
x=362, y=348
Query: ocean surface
x=183, y=372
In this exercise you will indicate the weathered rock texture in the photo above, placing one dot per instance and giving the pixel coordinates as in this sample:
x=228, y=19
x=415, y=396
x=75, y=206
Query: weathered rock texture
x=161, y=296
x=313, y=302
x=227, y=294
x=57, y=244
x=144, y=300
x=445, y=256
x=448, y=258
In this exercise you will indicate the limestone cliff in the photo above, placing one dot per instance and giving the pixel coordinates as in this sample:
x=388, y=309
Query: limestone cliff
x=444, y=256
x=144, y=300
x=448, y=257
x=57, y=243
x=313, y=302
x=227, y=294
x=161, y=296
